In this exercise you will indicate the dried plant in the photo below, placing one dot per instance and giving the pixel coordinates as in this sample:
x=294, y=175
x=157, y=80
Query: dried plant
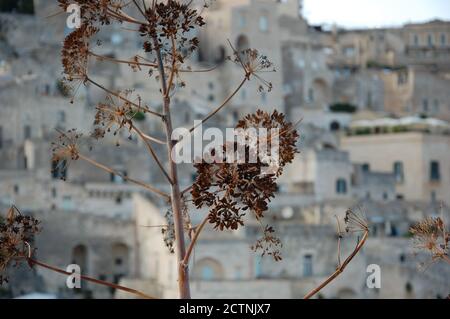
x=17, y=232
x=269, y=244
x=228, y=190
x=430, y=236
x=355, y=223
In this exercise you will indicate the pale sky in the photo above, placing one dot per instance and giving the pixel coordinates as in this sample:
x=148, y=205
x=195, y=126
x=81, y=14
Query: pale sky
x=374, y=13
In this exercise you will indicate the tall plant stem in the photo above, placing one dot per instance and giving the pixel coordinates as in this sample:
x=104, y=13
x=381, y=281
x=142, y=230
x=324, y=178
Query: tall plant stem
x=340, y=268
x=175, y=196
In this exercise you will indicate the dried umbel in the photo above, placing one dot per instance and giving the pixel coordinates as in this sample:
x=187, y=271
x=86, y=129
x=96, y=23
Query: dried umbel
x=168, y=29
x=230, y=188
x=16, y=233
x=114, y=115
x=431, y=236
x=66, y=147
x=355, y=222
x=95, y=11
x=253, y=63
x=65, y=150
x=269, y=244
x=286, y=135
x=75, y=52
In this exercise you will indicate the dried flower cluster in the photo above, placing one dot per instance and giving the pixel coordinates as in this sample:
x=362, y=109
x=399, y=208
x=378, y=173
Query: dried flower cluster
x=94, y=11
x=355, y=222
x=16, y=233
x=168, y=231
x=75, y=52
x=431, y=236
x=170, y=24
x=269, y=244
x=230, y=188
x=286, y=137
x=112, y=116
x=254, y=63
x=65, y=150
x=67, y=146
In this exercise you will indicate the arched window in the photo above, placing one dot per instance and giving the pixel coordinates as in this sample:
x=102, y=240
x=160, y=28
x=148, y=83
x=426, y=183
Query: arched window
x=341, y=186
x=208, y=269
x=120, y=256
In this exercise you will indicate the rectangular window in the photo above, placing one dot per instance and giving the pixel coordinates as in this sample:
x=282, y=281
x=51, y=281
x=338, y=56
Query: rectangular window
x=59, y=169
x=242, y=21
x=430, y=40
x=263, y=23
x=436, y=106
x=435, y=174
x=399, y=172
x=425, y=105
x=443, y=39
x=341, y=186
x=27, y=132
x=307, y=265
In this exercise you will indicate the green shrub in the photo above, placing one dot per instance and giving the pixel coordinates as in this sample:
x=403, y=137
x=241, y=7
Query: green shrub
x=343, y=108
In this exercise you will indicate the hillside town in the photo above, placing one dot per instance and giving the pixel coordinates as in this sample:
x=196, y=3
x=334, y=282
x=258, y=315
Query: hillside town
x=374, y=106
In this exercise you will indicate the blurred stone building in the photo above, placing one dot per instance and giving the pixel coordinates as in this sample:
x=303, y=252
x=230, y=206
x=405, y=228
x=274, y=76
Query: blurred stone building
x=373, y=103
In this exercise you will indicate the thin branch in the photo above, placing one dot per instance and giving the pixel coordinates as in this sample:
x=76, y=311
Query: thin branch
x=152, y=152
x=214, y=112
x=139, y=8
x=173, y=70
x=187, y=189
x=112, y=171
x=120, y=15
x=191, y=246
x=144, y=109
x=199, y=71
x=96, y=281
x=103, y=57
x=340, y=268
x=339, y=241
x=153, y=139
x=446, y=259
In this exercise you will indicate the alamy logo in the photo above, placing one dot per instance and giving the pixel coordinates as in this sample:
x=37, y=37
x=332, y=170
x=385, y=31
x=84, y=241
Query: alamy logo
x=239, y=146
x=73, y=280
x=374, y=279
x=74, y=19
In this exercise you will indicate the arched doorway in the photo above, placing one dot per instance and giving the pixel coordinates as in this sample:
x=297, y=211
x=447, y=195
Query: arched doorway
x=335, y=126
x=346, y=293
x=120, y=256
x=208, y=269
x=80, y=258
x=242, y=43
